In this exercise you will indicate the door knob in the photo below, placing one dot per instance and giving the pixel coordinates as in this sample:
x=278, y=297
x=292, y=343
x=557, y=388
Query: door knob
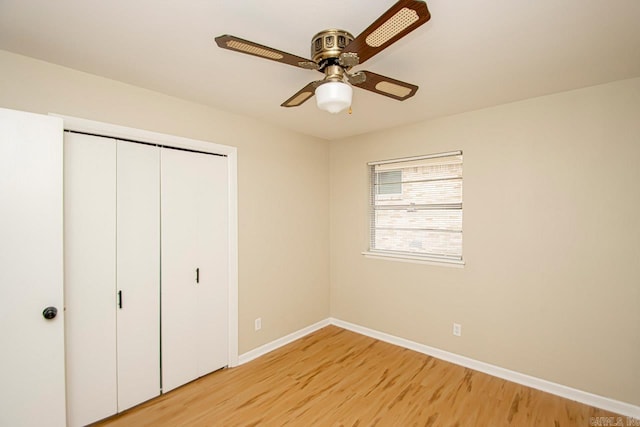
x=49, y=313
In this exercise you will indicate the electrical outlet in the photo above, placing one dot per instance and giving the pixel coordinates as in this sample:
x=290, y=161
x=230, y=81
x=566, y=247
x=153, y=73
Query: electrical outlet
x=258, y=324
x=457, y=329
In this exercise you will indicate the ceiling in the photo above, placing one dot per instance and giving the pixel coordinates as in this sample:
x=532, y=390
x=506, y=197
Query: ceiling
x=471, y=54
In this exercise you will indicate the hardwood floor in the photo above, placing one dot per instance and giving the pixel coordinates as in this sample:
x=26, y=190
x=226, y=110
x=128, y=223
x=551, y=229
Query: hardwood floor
x=335, y=377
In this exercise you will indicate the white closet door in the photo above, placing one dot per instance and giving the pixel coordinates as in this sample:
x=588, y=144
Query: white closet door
x=138, y=273
x=194, y=265
x=90, y=276
x=32, y=368
x=213, y=252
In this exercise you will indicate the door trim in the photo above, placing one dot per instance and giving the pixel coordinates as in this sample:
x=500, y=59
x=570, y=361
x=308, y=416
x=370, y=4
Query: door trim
x=122, y=132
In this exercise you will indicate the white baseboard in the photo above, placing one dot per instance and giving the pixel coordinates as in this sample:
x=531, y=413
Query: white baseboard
x=587, y=398
x=268, y=347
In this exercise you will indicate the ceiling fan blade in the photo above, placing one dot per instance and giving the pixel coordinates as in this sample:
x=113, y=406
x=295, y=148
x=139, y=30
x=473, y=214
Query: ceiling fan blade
x=245, y=46
x=302, y=95
x=387, y=86
x=402, y=18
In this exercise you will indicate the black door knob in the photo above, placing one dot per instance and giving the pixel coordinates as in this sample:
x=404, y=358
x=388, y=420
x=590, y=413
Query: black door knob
x=49, y=313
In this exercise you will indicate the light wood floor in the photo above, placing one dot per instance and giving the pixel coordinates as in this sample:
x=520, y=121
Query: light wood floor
x=335, y=377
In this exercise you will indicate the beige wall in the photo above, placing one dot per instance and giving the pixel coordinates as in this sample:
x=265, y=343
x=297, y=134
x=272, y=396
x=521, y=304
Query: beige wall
x=283, y=222
x=551, y=285
x=551, y=241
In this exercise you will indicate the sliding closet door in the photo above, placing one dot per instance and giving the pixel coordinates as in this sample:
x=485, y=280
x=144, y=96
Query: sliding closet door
x=90, y=277
x=194, y=265
x=138, y=273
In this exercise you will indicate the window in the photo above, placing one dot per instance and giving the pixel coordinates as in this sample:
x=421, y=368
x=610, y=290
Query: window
x=389, y=182
x=416, y=207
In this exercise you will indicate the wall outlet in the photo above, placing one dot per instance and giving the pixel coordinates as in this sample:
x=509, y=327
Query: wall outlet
x=457, y=329
x=258, y=324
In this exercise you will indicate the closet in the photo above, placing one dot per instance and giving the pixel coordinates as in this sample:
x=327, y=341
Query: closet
x=146, y=271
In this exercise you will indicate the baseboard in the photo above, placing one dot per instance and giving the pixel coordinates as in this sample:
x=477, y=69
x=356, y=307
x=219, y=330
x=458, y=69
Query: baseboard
x=587, y=398
x=266, y=348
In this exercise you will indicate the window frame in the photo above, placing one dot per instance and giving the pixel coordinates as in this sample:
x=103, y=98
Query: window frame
x=396, y=255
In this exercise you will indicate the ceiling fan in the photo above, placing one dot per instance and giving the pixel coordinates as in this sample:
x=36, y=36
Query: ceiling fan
x=335, y=52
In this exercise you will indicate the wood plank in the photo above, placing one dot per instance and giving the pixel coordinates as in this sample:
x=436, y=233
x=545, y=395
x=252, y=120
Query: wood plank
x=335, y=377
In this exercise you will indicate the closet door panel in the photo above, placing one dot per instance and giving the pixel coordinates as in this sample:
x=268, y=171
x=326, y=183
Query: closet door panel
x=90, y=277
x=194, y=265
x=213, y=241
x=138, y=273
x=179, y=263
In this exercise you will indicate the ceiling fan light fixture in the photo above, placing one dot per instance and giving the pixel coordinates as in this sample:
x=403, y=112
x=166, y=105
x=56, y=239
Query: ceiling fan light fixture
x=335, y=52
x=334, y=97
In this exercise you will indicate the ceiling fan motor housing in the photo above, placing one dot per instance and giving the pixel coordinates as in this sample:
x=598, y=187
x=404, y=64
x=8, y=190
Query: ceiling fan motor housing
x=327, y=45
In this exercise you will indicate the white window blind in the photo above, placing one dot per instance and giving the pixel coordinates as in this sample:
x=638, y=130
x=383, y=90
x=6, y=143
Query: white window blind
x=416, y=206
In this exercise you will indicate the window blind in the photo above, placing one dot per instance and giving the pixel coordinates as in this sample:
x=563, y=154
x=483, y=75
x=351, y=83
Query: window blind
x=416, y=206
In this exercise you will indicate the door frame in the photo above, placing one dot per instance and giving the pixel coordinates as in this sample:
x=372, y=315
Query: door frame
x=122, y=132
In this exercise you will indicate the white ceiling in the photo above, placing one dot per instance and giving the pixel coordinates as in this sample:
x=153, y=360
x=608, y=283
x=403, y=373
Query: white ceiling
x=471, y=54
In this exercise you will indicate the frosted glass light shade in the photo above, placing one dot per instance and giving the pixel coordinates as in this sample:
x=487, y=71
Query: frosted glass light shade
x=333, y=96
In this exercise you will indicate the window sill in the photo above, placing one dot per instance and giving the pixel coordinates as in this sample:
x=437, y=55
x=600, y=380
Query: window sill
x=415, y=259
